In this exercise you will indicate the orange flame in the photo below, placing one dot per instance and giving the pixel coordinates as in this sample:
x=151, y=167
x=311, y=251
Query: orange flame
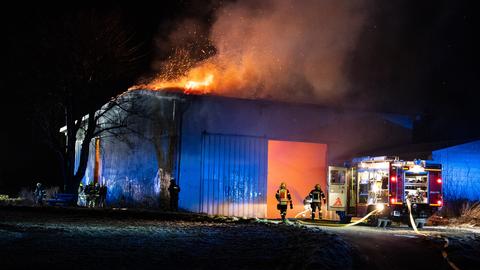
x=199, y=80
x=199, y=86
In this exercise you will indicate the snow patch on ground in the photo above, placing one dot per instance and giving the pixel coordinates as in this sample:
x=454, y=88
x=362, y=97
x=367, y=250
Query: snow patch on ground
x=84, y=239
x=463, y=246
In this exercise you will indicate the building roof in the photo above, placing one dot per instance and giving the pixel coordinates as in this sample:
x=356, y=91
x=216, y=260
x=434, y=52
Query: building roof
x=417, y=151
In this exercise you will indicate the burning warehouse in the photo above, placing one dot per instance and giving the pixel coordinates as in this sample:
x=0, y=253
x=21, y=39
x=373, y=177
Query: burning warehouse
x=228, y=155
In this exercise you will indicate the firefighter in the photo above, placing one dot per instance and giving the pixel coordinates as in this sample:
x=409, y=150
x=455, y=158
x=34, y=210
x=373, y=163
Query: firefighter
x=81, y=196
x=95, y=194
x=87, y=191
x=91, y=191
x=173, y=189
x=283, y=197
x=316, y=195
x=39, y=194
x=102, y=193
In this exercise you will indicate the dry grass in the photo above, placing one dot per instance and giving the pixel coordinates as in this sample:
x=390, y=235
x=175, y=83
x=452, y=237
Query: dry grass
x=27, y=195
x=454, y=208
x=470, y=215
x=51, y=192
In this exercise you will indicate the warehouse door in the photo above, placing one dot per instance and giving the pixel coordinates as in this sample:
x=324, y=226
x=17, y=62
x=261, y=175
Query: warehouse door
x=234, y=175
x=301, y=166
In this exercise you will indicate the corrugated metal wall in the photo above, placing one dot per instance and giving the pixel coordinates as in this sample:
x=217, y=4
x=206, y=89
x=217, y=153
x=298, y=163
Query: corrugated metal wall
x=234, y=175
x=460, y=171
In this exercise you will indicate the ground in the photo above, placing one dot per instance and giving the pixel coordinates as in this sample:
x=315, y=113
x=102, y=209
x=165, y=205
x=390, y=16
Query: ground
x=124, y=239
x=399, y=247
x=115, y=239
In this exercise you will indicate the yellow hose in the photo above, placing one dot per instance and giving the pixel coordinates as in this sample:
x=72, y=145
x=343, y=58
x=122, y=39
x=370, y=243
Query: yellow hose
x=412, y=221
x=303, y=212
x=340, y=225
x=414, y=226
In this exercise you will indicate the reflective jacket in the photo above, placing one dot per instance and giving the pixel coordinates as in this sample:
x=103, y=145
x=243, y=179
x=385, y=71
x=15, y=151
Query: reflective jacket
x=316, y=195
x=283, y=196
x=174, y=189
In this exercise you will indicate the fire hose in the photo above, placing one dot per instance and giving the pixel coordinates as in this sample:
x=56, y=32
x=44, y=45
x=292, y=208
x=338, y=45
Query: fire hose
x=409, y=206
x=445, y=246
x=303, y=212
x=339, y=225
x=412, y=222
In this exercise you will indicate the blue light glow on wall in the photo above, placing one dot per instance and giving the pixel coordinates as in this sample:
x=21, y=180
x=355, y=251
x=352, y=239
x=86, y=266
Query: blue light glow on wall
x=461, y=170
x=230, y=135
x=234, y=175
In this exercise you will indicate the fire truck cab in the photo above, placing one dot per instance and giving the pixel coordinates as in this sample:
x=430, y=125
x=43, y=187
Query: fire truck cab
x=385, y=183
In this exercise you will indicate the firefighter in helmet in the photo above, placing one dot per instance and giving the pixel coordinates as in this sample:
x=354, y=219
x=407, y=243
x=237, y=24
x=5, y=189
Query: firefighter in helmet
x=39, y=194
x=284, y=198
x=82, y=201
x=173, y=189
x=317, y=195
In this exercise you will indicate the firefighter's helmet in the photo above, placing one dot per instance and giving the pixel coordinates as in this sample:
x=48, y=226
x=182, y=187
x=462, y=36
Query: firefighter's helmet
x=283, y=185
x=317, y=186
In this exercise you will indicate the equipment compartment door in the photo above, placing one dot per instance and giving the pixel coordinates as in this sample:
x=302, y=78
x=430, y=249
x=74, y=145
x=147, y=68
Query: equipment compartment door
x=337, y=189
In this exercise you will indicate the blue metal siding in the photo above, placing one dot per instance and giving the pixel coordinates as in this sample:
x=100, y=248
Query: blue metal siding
x=345, y=133
x=233, y=175
x=460, y=170
x=132, y=166
x=131, y=174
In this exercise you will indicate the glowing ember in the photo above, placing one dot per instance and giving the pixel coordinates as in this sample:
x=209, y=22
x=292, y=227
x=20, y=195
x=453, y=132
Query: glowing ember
x=285, y=50
x=195, y=86
x=200, y=80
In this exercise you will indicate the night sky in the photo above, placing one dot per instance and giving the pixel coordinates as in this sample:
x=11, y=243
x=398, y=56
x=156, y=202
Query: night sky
x=415, y=57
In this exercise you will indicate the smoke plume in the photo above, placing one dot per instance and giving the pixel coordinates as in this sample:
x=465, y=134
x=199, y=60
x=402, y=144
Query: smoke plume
x=280, y=49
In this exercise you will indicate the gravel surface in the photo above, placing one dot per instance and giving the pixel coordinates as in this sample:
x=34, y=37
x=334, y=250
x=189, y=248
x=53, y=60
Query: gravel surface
x=106, y=239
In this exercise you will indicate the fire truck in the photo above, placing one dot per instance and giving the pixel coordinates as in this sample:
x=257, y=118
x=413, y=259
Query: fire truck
x=385, y=184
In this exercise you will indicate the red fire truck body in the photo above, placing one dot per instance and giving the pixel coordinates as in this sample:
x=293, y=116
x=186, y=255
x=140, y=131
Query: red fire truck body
x=385, y=183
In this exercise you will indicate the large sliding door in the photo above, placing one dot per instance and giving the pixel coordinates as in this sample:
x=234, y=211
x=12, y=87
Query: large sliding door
x=301, y=166
x=234, y=175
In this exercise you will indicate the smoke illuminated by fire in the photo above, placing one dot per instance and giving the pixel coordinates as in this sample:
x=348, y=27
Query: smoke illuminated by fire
x=285, y=49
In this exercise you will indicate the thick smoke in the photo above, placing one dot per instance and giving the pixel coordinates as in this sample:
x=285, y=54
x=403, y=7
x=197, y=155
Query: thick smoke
x=283, y=49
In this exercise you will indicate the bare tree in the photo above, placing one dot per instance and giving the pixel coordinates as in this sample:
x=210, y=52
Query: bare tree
x=92, y=57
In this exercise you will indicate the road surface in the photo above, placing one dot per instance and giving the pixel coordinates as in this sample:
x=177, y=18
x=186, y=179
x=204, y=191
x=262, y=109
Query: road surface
x=399, y=247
